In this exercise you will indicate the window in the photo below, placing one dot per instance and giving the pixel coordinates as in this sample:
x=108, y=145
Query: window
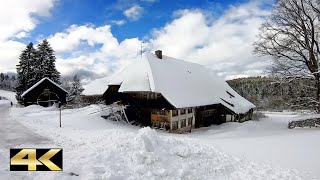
x=189, y=110
x=175, y=125
x=174, y=113
x=183, y=123
x=190, y=121
x=182, y=111
x=154, y=124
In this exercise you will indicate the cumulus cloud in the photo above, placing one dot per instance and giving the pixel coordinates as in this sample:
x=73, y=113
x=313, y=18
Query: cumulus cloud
x=224, y=44
x=134, y=12
x=17, y=18
x=17, y=15
x=92, y=51
x=9, y=55
x=75, y=36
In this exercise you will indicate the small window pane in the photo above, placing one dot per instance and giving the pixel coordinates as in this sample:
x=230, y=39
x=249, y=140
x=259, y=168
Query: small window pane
x=174, y=113
x=183, y=123
x=175, y=125
x=190, y=121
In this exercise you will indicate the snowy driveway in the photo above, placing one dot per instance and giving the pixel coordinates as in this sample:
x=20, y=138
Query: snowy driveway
x=12, y=132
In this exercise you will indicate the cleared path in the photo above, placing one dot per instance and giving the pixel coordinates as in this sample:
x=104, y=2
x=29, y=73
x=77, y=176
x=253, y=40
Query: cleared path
x=12, y=132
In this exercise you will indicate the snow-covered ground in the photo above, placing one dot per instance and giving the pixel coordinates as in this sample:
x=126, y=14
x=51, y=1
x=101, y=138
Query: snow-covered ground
x=95, y=148
x=9, y=95
x=268, y=141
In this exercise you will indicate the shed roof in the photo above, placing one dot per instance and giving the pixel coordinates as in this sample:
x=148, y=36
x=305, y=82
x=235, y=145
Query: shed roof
x=182, y=83
x=38, y=83
x=96, y=87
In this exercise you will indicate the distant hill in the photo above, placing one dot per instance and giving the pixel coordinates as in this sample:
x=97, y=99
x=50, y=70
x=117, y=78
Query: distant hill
x=267, y=94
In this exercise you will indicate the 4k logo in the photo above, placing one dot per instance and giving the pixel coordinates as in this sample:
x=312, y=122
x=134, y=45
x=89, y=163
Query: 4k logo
x=35, y=159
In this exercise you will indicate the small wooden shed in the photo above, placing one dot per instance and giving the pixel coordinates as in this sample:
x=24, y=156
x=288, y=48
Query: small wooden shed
x=45, y=93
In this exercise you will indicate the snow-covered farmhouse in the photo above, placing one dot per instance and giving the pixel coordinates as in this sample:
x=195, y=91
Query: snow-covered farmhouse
x=45, y=93
x=175, y=95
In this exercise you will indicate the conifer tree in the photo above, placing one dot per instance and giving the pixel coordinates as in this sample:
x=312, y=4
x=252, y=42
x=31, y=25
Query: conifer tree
x=45, y=66
x=25, y=69
x=75, y=89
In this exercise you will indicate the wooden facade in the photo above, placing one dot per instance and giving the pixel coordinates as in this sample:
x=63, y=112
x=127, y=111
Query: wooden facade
x=45, y=93
x=152, y=109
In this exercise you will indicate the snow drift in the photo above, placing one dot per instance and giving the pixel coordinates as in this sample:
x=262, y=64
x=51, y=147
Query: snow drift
x=148, y=155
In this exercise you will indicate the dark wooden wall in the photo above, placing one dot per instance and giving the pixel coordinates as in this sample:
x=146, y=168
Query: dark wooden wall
x=32, y=96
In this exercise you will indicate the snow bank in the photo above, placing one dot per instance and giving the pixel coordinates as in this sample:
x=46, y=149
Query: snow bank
x=34, y=109
x=148, y=155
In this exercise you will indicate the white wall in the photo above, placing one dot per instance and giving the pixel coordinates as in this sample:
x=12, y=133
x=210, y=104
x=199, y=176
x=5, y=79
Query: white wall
x=179, y=117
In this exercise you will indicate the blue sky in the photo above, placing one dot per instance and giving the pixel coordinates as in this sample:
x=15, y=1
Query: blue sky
x=93, y=38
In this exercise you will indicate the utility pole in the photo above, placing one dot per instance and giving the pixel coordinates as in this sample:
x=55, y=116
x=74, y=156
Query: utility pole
x=60, y=112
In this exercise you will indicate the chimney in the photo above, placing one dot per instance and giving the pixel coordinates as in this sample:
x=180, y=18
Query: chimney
x=159, y=54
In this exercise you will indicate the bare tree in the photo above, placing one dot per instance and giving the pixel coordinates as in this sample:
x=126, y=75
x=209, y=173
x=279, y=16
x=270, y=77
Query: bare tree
x=291, y=37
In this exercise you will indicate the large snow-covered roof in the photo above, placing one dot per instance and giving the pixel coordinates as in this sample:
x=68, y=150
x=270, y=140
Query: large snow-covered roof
x=96, y=87
x=182, y=83
x=35, y=85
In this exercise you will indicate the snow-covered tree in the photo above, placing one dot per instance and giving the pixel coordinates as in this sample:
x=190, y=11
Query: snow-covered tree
x=45, y=65
x=6, y=82
x=25, y=70
x=75, y=89
x=291, y=36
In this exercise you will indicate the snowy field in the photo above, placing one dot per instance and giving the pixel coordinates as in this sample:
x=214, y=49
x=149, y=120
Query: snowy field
x=95, y=148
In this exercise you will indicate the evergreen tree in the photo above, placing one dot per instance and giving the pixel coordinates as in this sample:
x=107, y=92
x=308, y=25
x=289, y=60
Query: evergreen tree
x=45, y=65
x=24, y=70
x=75, y=89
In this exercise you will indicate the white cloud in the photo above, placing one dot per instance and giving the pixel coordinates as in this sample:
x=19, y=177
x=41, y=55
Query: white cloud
x=17, y=18
x=224, y=44
x=119, y=22
x=92, y=51
x=17, y=15
x=75, y=36
x=134, y=12
x=9, y=55
x=22, y=34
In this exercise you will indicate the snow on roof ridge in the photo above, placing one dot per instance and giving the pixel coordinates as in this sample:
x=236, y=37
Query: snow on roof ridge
x=39, y=82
